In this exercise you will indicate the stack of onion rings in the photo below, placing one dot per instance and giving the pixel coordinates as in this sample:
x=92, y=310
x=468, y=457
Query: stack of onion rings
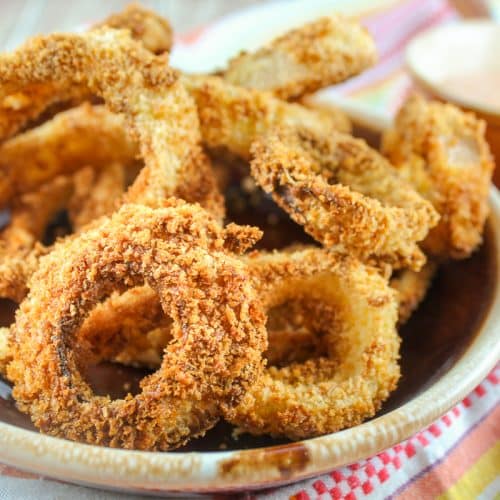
x=153, y=281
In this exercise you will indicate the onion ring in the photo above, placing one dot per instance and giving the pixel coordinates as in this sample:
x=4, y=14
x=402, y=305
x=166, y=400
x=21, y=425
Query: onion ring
x=219, y=332
x=344, y=194
x=19, y=250
x=152, y=30
x=18, y=108
x=86, y=135
x=318, y=54
x=347, y=386
x=159, y=114
x=442, y=151
x=233, y=117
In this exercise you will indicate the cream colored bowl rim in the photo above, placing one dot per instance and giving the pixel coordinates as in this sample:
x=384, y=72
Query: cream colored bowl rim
x=153, y=472
x=437, y=43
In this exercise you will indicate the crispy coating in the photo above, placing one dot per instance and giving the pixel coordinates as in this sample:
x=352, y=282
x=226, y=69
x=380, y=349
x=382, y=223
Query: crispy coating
x=5, y=351
x=85, y=135
x=16, y=270
x=442, y=151
x=345, y=194
x=20, y=107
x=152, y=30
x=159, y=114
x=411, y=288
x=218, y=329
x=233, y=117
x=360, y=369
x=96, y=193
x=318, y=54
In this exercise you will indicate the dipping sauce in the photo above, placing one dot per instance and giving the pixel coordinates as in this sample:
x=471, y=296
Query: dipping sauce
x=481, y=88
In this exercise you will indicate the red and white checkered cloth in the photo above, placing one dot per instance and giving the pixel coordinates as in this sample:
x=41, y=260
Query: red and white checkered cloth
x=458, y=455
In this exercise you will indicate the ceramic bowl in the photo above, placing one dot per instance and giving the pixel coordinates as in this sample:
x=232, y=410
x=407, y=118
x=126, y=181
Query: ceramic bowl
x=459, y=63
x=449, y=346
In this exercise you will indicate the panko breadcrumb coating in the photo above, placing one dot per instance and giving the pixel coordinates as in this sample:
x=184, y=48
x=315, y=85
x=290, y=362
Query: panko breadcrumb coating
x=442, y=152
x=81, y=136
x=326, y=51
x=152, y=30
x=233, y=117
x=158, y=112
x=345, y=194
x=360, y=368
x=218, y=329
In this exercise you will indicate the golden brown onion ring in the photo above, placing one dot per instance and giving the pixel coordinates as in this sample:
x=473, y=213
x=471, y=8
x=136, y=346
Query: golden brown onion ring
x=345, y=194
x=152, y=30
x=350, y=383
x=87, y=194
x=218, y=329
x=18, y=108
x=158, y=113
x=233, y=117
x=19, y=250
x=318, y=54
x=442, y=152
x=85, y=135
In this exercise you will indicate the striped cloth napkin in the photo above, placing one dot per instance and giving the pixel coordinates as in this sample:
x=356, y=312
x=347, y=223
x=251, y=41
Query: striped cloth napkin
x=458, y=456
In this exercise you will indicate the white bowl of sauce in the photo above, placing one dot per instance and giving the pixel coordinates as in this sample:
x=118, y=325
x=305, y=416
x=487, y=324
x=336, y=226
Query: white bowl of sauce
x=460, y=63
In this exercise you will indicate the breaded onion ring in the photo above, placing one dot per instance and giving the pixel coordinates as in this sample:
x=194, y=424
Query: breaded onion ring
x=348, y=385
x=152, y=30
x=318, y=54
x=85, y=135
x=233, y=117
x=218, y=329
x=345, y=194
x=18, y=108
x=411, y=288
x=442, y=151
x=158, y=112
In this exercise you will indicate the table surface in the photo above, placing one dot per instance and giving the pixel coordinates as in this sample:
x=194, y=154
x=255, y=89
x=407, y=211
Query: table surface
x=21, y=18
